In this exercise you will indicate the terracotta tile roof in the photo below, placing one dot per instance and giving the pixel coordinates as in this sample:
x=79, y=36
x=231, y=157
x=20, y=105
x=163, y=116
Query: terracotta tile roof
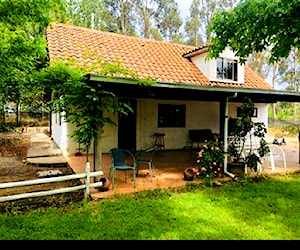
x=162, y=61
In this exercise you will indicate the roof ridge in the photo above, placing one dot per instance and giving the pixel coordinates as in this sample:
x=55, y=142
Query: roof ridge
x=191, y=47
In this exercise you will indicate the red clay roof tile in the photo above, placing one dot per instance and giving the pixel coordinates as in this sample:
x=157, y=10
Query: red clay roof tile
x=162, y=61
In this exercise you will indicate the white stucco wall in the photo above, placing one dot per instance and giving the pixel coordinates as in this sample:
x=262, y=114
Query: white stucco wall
x=60, y=135
x=262, y=112
x=199, y=115
x=109, y=138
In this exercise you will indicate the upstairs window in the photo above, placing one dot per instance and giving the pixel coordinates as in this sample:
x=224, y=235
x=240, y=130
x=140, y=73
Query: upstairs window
x=227, y=69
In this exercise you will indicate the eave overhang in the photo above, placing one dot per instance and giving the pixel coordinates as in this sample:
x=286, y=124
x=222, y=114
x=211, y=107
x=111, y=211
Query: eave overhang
x=131, y=88
x=195, y=52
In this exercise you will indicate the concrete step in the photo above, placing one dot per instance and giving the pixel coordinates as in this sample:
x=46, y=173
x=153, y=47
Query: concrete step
x=44, y=152
x=34, y=152
x=49, y=161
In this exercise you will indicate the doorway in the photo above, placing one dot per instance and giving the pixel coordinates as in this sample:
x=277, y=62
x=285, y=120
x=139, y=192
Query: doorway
x=127, y=127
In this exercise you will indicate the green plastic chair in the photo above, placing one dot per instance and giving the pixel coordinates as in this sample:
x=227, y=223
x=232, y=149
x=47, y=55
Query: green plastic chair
x=124, y=160
x=145, y=156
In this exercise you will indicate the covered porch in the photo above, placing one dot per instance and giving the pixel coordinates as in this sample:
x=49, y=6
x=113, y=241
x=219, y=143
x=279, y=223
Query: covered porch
x=170, y=165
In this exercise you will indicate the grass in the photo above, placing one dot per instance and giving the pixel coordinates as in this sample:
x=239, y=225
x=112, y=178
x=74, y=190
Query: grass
x=249, y=210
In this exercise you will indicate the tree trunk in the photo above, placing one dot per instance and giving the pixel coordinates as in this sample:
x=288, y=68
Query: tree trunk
x=295, y=112
x=146, y=16
x=122, y=17
x=17, y=114
x=274, y=112
x=2, y=112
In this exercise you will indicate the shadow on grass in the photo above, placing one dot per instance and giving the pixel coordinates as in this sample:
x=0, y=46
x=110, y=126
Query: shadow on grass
x=248, y=210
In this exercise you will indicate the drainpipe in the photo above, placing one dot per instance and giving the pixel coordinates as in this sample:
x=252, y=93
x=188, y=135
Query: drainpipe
x=225, y=139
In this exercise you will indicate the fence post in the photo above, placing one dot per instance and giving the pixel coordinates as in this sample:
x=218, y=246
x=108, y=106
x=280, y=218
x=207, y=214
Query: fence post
x=87, y=180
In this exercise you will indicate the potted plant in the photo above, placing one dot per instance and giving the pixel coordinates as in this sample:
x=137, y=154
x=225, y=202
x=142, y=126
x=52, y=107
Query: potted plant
x=241, y=134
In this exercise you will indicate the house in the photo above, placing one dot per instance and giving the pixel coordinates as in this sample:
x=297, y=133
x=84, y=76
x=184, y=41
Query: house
x=191, y=92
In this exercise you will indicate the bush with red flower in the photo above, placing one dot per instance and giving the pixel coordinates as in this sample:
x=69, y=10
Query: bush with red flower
x=210, y=160
x=209, y=163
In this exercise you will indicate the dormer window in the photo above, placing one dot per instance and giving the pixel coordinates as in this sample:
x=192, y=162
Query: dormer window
x=227, y=69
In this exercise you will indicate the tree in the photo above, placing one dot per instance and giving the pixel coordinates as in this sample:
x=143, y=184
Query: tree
x=90, y=14
x=83, y=102
x=289, y=73
x=144, y=12
x=255, y=25
x=201, y=13
x=208, y=9
x=168, y=20
x=193, y=25
x=258, y=61
x=122, y=12
x=23, y=44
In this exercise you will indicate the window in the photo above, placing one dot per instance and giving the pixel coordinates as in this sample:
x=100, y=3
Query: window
x=170, y=115
x=227, y=69
x=238, y=112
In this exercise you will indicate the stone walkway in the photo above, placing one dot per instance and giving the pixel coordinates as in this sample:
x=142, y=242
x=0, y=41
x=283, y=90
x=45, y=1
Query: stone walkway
x=44, y=152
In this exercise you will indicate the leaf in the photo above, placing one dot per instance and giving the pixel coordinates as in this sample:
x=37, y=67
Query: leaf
x=253, y=25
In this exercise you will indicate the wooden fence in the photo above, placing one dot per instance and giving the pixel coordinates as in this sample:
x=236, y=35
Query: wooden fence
x=87, y=185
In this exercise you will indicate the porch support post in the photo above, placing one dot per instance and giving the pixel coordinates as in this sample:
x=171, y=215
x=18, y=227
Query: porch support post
x=225, y=137
x=225, y=133
x=98, y=153
x=222, y=120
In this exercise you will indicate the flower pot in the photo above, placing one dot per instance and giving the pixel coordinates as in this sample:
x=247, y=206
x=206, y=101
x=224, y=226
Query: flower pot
x=106, y=184
x=189, y=174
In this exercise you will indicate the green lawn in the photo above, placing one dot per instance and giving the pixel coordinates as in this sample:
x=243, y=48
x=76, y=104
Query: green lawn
x=267, y=209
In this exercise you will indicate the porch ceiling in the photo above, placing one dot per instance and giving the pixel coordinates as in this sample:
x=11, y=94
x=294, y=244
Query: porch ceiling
x=131, y=89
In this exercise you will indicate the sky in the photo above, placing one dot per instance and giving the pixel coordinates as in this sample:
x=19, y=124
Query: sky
x=184, y=6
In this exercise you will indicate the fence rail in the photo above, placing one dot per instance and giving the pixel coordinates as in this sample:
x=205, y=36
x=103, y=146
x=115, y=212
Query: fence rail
x=87, y=185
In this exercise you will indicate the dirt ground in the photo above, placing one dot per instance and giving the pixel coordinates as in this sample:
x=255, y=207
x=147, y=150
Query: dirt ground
x=13, y=167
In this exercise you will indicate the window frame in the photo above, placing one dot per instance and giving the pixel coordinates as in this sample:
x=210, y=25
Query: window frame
x=228, y=67
x=171, y=116
x=254, y=114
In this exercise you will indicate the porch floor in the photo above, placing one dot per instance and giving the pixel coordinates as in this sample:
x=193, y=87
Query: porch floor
x=169, y=167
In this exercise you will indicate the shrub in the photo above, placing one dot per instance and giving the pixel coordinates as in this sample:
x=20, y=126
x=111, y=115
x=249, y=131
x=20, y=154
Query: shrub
x=210, y=160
